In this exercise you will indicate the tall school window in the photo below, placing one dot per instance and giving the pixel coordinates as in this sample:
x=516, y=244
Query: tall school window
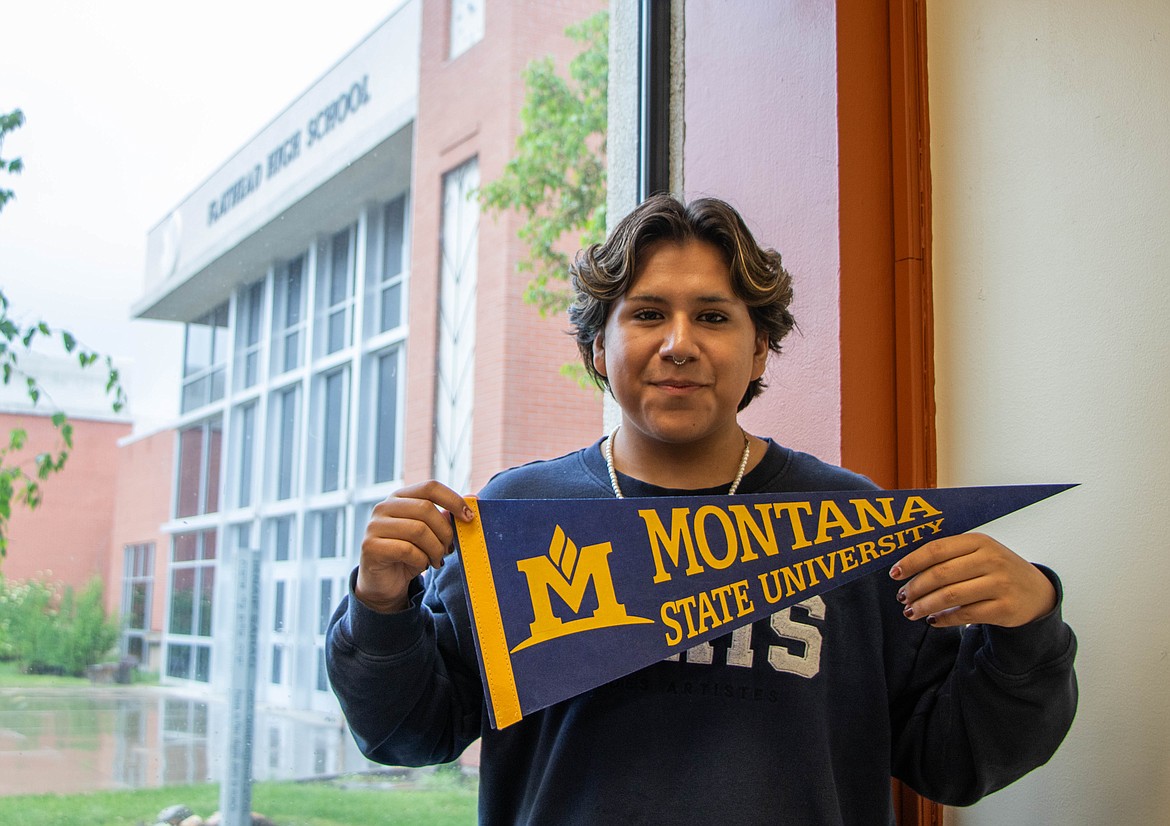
x=466, y=25
x=389, y=274
x=205, y=352
x=199, y=456
x=327, y=533
x=455, y=374
x=383, y=379
x=241, y=479
x=288, y=316
x=335, y=268
x=192, y=601
x=137, y=598
x=332, y=417
x=279, y=535
x=284, y=442
x=384, y=337
x=249, y=323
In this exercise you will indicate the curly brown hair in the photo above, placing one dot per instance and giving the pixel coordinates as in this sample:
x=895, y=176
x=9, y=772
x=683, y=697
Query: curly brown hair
x=602, y=273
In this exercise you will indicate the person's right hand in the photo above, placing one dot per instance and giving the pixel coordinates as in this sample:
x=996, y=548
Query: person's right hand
x=406, y=534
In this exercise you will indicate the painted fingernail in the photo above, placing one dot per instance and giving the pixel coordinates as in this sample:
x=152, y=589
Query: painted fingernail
x=908, y=612
x=932, y=620
x=895, y=572
x=467, y=514
x=902, y=595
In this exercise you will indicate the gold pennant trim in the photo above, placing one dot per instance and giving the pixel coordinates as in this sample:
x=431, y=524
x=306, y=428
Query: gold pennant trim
x=489, y=624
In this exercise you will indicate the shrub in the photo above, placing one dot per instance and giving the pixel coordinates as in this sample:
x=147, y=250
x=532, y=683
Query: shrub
x=50, y=634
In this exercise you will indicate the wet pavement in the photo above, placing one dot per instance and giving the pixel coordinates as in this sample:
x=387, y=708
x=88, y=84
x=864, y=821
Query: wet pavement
x=87, y=739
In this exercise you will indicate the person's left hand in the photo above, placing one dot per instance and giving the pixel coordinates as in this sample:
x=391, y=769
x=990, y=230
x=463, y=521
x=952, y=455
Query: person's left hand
x=972, y=578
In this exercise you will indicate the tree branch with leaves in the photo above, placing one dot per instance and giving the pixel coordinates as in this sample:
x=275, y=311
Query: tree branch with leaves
x=20, y=478
x=556, y=180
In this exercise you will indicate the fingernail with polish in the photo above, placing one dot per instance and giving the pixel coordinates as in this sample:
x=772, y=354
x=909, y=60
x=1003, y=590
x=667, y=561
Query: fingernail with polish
x=909, y=612
x=895, y=572
x=467, y=514
x=902, y=595
x=932, y=620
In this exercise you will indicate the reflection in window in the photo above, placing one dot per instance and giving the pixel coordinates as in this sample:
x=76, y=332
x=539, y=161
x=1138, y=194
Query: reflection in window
x=205, y=353
x=199, y=456
x=137, y=593
x=192, y=601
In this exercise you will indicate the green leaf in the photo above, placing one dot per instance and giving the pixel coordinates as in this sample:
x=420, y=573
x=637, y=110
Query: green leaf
x=70, y=341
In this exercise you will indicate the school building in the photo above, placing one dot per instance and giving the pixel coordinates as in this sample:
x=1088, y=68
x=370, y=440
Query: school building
x=353, y=323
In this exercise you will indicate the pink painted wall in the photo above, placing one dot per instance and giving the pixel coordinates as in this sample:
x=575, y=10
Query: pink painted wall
x=761, y=133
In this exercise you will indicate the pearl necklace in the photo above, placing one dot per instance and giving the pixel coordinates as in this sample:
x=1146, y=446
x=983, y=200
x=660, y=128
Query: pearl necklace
x=607, y=450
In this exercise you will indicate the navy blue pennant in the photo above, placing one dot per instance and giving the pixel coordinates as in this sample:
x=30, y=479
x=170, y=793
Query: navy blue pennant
x=566, y=595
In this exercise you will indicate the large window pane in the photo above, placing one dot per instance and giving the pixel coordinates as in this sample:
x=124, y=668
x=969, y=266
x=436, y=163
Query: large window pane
x=206, y=599
x=190, y=471
x=325, y=606
x=199, y=457
x=333, y=389
x=458, y=278
x=335, y=292
x=244, y=435
x=205, y=355
x=182, y=600
x=386, y=418
x=330, y=525
x=278, y=607
x=288, y=316
x=249, y=316
x=279, y=533
x=287, y=410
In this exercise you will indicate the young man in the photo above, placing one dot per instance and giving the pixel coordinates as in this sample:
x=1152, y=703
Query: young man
x=800, y=718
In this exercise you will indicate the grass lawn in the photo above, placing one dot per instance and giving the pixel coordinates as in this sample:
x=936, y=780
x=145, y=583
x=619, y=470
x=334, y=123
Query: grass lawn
x=11, y=677
x=439, y=800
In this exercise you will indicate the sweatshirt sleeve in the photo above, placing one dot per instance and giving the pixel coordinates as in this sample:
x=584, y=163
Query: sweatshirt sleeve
x=408, y=690
x=981, y=707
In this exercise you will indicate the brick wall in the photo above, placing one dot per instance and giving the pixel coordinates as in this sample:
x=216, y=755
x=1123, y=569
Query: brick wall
x=469, y=107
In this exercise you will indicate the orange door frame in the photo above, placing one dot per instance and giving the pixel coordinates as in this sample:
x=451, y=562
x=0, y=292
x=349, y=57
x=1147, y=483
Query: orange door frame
x=887, y=361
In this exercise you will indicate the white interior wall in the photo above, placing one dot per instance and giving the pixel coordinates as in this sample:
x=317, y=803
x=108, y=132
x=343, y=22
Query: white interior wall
x=1050, y=158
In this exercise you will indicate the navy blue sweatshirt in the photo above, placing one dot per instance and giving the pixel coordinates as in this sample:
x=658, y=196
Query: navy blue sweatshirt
x=801, y=718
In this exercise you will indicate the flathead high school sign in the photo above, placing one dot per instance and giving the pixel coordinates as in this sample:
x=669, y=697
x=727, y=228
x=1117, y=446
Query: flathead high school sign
x=567, y=595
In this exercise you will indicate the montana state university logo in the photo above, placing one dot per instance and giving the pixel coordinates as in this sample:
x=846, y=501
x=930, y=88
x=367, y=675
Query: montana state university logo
x=568, y=572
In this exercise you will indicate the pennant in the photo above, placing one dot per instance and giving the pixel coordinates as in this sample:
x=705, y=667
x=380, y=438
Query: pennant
x=568, y=594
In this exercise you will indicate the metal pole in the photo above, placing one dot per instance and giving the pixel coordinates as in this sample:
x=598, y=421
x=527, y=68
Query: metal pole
x=235, y=793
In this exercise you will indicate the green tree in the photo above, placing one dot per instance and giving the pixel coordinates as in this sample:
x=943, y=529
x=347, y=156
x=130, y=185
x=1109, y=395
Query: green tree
x=556, y=180
x=21, y=477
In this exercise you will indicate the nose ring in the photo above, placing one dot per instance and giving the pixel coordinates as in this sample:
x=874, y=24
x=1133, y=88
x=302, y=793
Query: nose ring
x=679, y=362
